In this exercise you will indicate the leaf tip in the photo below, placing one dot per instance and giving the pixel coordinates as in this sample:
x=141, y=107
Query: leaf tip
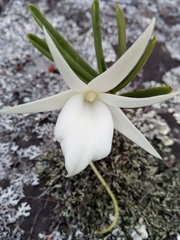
x=31, y=6
x=118, y=8
x=170, y=89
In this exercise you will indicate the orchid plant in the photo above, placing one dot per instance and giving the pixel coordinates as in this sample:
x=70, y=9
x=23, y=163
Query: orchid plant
x=90, y=109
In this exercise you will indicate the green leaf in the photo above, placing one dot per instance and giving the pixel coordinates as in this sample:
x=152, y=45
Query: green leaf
x=41, y=45
x=76, y=62
x=121, y=24
x=150, y=92
x=137, y=67
x=97, y=36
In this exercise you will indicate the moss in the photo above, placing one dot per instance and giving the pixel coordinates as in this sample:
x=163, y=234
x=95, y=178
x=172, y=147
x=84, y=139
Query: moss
x=143, y=185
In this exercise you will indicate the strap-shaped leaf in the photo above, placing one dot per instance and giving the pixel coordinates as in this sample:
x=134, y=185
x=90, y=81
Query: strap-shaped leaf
x=41, y=45
x=150, y=92
x=138, y=66
x=70, y=55
x=80, y=72
x=97, y=36
x=121, y=25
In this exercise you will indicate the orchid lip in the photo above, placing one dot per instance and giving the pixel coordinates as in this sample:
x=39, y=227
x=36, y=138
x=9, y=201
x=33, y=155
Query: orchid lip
x=90, y=96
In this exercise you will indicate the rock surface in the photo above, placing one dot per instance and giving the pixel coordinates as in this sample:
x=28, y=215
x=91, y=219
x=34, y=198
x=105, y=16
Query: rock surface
x=29, y=208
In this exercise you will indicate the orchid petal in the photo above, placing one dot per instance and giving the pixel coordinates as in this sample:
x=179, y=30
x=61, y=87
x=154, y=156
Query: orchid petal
x=120, y=69
x=127, y=102
x=84, y=130
x=55, y=102
x=124, y=126
x=67, y=73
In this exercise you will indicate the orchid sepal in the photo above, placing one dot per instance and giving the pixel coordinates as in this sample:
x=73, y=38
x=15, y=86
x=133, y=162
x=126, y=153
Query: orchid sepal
x=132, y=102
x=62, y=43
x=67, y=73
x=55, y=102
x=132, y=74
x=121, y=68
x=125, y=127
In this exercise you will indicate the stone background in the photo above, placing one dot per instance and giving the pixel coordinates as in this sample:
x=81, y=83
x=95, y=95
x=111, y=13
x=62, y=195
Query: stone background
x=26, y=210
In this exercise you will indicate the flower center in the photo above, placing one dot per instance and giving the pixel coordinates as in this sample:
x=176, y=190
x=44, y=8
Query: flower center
x=90, y=96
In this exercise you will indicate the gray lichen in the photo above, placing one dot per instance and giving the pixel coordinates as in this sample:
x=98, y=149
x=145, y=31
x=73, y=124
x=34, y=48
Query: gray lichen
x=145, y=187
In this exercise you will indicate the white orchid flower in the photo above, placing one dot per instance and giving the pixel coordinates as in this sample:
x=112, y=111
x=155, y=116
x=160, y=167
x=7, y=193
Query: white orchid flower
x=89, y=114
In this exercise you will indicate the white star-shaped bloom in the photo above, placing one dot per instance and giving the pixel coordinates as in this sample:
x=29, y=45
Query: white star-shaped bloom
x=89, y=114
